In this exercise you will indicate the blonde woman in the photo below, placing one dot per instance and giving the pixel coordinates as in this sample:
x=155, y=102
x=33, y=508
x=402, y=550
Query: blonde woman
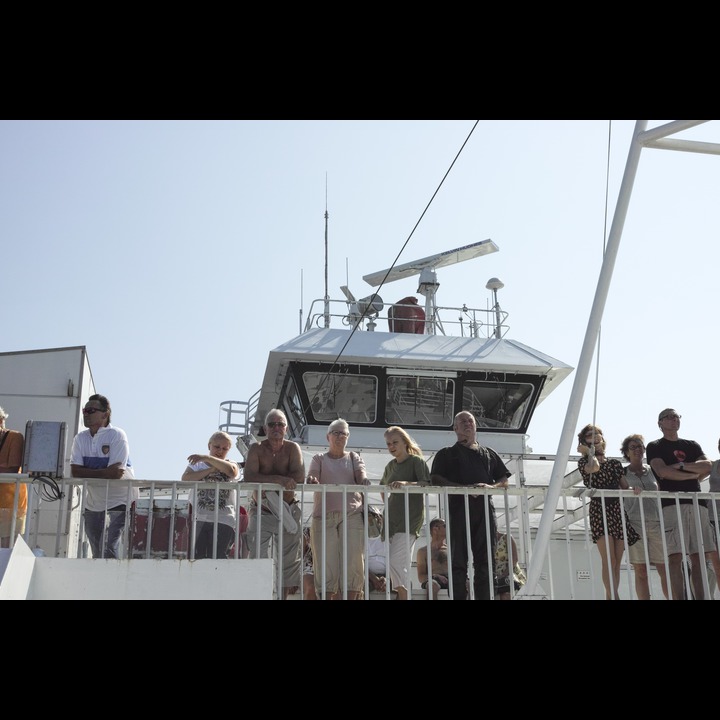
x=408, y=467
x=213, y=466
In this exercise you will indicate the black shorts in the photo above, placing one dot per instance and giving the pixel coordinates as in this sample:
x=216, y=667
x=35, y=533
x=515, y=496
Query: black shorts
x=444, y=585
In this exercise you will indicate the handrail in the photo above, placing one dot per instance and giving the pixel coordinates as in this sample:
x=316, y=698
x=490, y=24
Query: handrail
x=570, y=568
x=469, y=322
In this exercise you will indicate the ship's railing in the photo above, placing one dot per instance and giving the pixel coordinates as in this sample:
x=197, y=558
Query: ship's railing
x=571, y=569
x=236, y=418
x=460, y=321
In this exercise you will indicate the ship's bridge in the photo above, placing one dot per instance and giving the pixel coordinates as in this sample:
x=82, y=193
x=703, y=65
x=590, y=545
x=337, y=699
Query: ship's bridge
x=417, y=381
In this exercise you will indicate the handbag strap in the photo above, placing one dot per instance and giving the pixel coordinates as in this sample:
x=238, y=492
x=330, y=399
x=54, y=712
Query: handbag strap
x=352, y=460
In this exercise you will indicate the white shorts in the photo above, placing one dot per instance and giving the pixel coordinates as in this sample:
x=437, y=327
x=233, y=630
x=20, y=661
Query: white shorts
x=401, y=552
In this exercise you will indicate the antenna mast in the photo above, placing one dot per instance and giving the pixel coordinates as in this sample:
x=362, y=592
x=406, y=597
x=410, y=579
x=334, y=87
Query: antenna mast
x=327, y=297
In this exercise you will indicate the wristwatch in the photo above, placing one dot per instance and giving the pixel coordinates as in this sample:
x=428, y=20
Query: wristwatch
x=682, y=466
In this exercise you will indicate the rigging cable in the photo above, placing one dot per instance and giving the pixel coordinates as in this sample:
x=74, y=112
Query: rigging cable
x=599, y=340
x=591, y=491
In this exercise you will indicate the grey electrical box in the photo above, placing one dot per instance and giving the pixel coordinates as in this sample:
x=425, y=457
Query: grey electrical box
x=45, y=448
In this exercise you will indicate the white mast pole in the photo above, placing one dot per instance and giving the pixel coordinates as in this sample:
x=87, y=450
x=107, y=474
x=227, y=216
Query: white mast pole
x=327, y=297
x=542, y=539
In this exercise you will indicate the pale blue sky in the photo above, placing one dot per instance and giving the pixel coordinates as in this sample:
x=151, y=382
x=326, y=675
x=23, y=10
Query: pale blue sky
x=180, y=252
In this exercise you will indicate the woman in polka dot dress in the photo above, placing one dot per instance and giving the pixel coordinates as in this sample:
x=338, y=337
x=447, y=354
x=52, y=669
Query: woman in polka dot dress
x=606, y=519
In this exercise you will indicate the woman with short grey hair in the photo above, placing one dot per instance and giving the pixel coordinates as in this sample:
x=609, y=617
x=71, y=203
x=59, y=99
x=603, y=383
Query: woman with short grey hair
x=334, y=520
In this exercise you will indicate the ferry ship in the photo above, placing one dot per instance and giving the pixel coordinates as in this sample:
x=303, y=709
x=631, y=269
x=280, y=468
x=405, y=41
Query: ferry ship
x=410, y=362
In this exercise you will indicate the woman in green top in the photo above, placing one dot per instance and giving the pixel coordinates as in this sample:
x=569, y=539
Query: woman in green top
x=408, y=467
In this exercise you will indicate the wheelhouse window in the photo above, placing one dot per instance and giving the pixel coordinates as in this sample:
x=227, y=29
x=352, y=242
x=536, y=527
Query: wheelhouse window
x=353, y=397
x=497, y=404
x=292, y=406
x=413, y=400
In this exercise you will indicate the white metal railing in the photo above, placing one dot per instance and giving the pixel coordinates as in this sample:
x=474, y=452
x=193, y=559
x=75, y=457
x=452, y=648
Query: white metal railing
x=461, y=321
x=238, y=415
x=571, y=568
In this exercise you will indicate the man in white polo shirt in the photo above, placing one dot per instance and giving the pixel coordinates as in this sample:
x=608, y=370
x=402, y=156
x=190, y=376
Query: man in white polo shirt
x=102, y=452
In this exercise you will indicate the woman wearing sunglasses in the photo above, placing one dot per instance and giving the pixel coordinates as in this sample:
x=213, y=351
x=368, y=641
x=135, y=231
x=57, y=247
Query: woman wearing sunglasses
x=337, y=531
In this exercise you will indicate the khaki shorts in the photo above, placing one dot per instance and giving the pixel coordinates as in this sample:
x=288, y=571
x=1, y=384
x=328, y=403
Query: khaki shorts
x=333, y=540
x=653, y=537
x=674, y=534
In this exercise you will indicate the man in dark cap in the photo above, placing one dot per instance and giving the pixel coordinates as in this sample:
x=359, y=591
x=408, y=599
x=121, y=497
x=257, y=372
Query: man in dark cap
x=680, y=465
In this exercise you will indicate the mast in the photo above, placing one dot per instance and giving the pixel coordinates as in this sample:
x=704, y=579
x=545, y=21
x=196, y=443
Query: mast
x=641, y=138
x=327, y=297
x=581, y=374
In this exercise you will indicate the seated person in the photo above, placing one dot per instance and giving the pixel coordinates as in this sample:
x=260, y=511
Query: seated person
x=308, y=571
x=438, y=560
x=502, y=558
x=376, y=559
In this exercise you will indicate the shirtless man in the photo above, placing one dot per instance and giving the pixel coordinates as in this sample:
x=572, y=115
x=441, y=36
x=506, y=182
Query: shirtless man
x=438, y=559
x=279, y=461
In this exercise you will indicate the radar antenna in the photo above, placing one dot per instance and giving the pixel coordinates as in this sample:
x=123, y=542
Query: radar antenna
x=426, y=267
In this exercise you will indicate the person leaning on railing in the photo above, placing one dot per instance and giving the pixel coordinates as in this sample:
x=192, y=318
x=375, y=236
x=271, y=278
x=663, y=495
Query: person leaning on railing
x=644, y=516
x=12, y=444
x=278, y=461
x=214, y=467
x=469, y=464
x=407, y=467
x=102, y=451
x=337, y=531
x=714, y=487
x=607, y=525
x=680, y=465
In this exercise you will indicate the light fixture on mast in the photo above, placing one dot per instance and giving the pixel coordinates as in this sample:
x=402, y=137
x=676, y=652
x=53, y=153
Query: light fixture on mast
x=496, y=284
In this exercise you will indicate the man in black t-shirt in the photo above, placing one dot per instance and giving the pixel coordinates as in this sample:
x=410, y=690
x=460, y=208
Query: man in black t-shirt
x=679, y=466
